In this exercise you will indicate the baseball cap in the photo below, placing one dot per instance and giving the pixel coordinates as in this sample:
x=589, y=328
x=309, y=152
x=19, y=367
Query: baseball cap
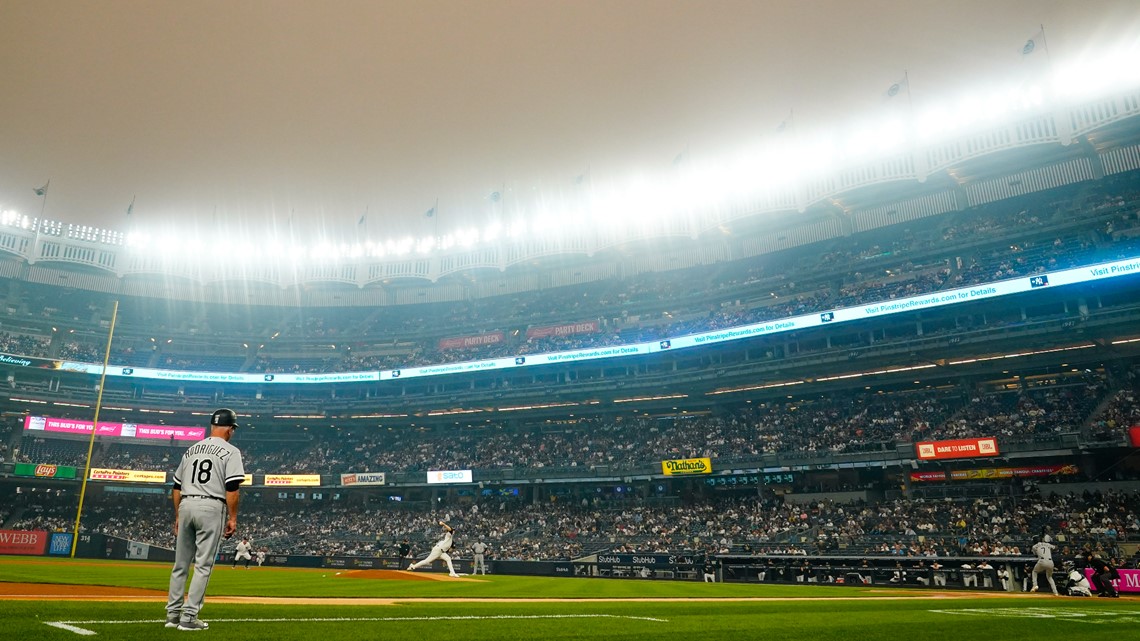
x=224, y=418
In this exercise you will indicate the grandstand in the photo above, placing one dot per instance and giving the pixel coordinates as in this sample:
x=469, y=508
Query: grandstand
x=804, y=341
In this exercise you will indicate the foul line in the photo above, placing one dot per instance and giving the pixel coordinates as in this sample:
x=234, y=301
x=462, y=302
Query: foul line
x=1059, y=614
x=68, y=625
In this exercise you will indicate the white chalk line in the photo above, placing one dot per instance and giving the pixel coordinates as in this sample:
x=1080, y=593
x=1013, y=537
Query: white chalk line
x=1060, y=614
x=71, y=626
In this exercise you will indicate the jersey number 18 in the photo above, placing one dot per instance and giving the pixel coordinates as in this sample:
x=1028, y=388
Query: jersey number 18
x=202, y=472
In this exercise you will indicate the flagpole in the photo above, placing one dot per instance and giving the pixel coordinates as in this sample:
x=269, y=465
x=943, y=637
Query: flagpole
x=94, y=429
x=43, y=203
x=1045, y=41
x=909, y=100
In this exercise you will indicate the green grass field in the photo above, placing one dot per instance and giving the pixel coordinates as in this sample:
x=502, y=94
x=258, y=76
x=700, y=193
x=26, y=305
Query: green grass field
x=807, y=612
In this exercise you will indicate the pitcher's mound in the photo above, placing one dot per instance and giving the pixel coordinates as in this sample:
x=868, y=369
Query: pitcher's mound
x=399, y=575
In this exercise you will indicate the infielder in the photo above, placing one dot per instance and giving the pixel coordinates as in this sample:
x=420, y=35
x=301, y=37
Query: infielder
x=205, y=509
x=243, y=552
x=1044, y=551
x=439, y=551
x=478, y=550
x=260, y=557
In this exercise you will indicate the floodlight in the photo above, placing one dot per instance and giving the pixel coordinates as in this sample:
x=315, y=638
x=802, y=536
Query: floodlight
x=492, y=231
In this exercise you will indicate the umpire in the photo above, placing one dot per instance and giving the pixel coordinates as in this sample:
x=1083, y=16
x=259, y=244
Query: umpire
x=1103, y=574
x=205, y=510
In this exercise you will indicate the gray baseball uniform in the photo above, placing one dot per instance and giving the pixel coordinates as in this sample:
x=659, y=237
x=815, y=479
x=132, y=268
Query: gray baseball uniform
x=202, y=476
x=479, y=549
x=1044, y=552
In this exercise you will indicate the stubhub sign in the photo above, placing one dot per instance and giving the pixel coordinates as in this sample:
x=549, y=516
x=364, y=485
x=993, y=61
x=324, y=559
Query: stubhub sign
x=449, y=476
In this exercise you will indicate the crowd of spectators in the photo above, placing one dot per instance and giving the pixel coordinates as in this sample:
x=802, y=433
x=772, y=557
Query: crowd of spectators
x=840, y=423
x=24, y=344
x=572, y=528
x=1079, y=225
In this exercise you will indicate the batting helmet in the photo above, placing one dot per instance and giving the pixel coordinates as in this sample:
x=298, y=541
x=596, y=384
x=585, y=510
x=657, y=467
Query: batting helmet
x=224, y=418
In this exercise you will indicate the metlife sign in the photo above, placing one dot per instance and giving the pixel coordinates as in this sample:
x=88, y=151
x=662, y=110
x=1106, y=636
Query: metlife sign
x=449, y=476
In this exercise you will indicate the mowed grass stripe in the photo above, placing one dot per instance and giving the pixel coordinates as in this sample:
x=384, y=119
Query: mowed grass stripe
x=772, y=621
x=74, y=626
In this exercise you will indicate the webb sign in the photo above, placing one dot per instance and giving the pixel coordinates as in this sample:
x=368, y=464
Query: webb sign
x=23, y=542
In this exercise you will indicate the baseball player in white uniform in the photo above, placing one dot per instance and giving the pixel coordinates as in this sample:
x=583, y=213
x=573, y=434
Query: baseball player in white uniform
x=205, y=509
x=439, y=551
x=244, y=548
x=1044, y=551
x=478, y=550
x=1078, y=582
x=260, y=557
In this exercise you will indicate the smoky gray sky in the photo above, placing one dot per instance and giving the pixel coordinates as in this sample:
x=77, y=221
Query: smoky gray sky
x=257, y=110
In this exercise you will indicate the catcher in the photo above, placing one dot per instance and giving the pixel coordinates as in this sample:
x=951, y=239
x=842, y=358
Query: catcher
x=439, y=551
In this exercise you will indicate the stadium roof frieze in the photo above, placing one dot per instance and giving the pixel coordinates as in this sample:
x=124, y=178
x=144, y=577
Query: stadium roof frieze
x=1066, y=144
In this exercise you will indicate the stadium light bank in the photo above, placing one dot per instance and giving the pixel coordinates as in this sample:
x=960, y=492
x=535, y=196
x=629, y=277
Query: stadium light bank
x=627, y=208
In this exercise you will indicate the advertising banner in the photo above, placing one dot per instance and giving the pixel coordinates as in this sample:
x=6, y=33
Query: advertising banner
x=292, y=479
x=60, y=544
x=23, y=541
x=995, y=473
x=961, y=448
x=587, y=327
x=127, y=476
x=45, y=470
x=362, y=478
x=1011, y=472
x=478, y=340
x=124, y=430
x=1129, y=581
x=687, y=466
x=29, y=361
x=449, y=476
x=920, y=477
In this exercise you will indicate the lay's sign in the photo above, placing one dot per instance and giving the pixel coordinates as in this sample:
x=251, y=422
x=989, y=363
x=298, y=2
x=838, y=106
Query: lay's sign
x=687, y=466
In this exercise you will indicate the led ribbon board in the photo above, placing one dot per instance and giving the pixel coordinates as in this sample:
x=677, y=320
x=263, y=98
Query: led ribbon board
x=1074, y=276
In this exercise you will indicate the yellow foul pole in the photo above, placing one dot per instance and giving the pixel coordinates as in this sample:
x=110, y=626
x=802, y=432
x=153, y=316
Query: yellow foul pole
x=94, y=428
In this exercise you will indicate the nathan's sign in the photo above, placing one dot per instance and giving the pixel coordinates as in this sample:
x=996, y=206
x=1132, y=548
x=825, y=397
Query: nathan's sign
x=292, y=479
x=478, y=340
x=687, y=466
x=43, y=470
x=362, y=478
x=127, y=476
x=961, y=448
x=586, y=327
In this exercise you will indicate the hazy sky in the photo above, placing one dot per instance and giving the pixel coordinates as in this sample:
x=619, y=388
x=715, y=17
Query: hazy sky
x=255, y=109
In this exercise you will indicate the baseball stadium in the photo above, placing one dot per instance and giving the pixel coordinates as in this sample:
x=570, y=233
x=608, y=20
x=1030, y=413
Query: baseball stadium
x=860, y=387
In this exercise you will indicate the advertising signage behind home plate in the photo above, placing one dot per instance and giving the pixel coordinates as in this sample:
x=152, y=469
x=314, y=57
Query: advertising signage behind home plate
x=961, y=448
